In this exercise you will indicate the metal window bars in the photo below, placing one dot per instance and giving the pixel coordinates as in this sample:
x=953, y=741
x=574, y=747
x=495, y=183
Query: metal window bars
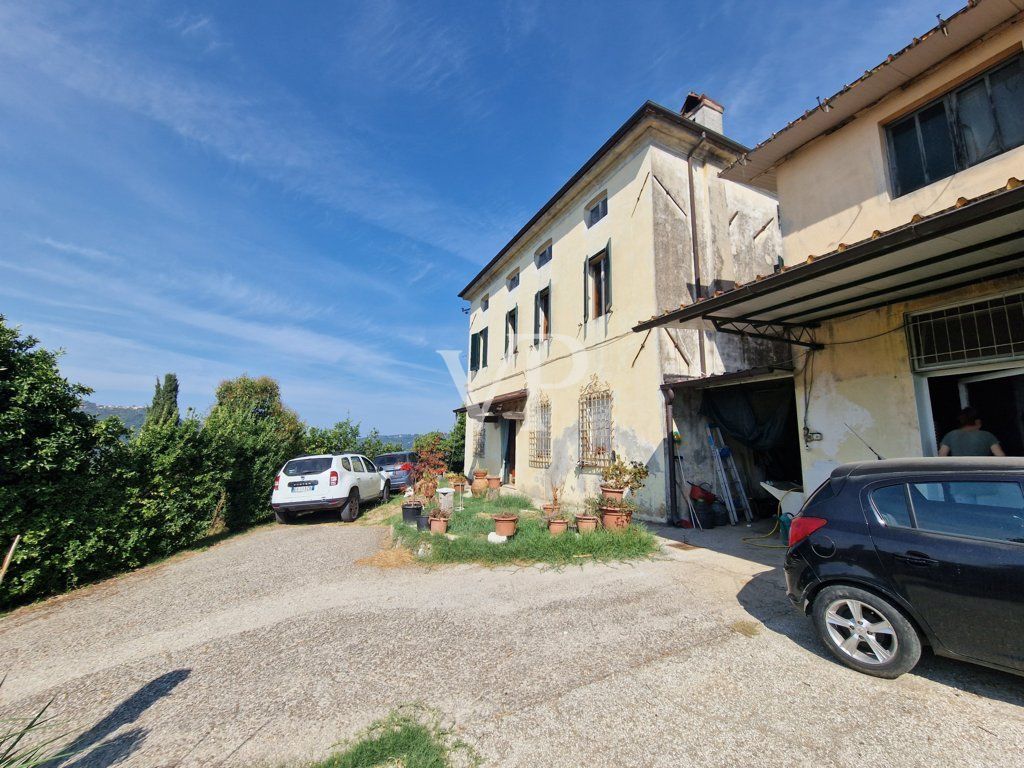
x=982, y=331
x=596, y=424
x=540, y=433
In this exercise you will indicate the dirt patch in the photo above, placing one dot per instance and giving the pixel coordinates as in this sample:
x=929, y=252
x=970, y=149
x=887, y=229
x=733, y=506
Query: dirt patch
x=683, y=545
x=746, y=628
x=391, y=557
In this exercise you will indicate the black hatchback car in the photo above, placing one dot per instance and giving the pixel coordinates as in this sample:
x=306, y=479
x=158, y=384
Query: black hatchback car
x=888, y=556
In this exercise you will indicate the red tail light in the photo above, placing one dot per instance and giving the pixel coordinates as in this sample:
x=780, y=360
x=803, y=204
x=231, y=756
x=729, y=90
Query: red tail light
x=334, y=477
x=802, y=527
x=407, y=467
x=277, y=482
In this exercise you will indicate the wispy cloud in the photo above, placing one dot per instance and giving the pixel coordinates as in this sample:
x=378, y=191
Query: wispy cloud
x=93, y=254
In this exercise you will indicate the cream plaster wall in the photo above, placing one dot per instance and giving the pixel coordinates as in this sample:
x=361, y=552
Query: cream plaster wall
x=837, y=189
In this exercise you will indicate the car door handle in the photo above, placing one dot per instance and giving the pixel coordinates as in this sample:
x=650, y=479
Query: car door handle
x=917, y=558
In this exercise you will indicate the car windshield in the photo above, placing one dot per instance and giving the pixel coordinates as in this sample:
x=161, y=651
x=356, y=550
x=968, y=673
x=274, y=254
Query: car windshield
x=307, y=466
x=387, y=459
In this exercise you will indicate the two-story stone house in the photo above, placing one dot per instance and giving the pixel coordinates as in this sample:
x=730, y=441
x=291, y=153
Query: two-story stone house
x=902, y=295
x=558, y=383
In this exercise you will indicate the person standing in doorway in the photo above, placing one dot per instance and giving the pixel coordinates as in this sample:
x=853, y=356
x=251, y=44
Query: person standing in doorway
x=970, y=439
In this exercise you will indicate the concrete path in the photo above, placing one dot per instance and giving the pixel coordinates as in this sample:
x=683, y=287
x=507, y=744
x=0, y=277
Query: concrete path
x=272, y=646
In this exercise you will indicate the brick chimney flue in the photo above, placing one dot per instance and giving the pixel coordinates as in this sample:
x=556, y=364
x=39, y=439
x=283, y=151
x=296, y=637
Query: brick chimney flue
x=704, y=110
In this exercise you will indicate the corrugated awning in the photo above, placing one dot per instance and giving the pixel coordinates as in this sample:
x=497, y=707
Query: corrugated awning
x=494, y=406
x=972, y=242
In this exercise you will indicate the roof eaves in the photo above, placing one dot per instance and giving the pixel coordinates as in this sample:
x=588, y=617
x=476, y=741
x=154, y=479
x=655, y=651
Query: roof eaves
x=647, y=109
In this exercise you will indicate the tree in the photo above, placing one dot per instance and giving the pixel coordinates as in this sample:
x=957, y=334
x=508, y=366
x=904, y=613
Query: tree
x=164, y=407
x=251, y=435
x=344, y=437
x=454, y=444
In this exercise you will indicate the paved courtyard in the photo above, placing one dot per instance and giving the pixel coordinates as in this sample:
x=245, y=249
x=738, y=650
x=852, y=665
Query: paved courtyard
x=272, y=646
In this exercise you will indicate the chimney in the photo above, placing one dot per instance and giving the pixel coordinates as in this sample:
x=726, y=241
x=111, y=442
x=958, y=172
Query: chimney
x=703, y=110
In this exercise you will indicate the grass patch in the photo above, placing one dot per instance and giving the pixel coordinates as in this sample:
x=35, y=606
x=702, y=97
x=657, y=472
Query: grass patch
x=410, y=737
x=531, y=544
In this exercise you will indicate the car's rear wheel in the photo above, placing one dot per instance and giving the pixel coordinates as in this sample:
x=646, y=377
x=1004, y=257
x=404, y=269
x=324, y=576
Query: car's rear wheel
x=283, y=516
x=385, y=493
x=350, y=511
x=866, y=632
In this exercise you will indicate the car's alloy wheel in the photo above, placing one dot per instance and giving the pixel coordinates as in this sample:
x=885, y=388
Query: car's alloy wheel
x=350, y=511
x=865, y=631
x=385, y=493
x=861, y=632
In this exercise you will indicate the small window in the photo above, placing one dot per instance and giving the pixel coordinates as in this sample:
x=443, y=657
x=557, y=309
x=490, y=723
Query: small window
x=892, y=506
x=542, y=316
x=512, y=332
x=543, y=256
x=977, y=121
x=513, y=281
x=597, y=211
x=988, y=510
x=485, y=302
x=981, y=331
x=478, y=350
x=599, y=271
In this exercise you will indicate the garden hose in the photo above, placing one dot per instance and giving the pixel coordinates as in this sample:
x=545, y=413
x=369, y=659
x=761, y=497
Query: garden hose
x=751, y=540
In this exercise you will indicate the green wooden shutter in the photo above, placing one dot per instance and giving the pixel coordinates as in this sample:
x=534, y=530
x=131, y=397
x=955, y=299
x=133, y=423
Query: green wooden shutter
x=608, y=277
x=483, y=349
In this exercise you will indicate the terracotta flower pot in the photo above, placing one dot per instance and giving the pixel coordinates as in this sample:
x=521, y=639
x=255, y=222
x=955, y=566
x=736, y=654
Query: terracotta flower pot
x=479, y=482
x=438, y=525
x=615, y=519
x=548, y=509
x=459, y=487
x=505, y=525
x=479, y=473
x=586, y=523
x=557, y=527
x=493, y=482
x=612, y=493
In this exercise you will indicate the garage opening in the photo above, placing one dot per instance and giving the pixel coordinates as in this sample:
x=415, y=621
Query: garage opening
x=758, y=423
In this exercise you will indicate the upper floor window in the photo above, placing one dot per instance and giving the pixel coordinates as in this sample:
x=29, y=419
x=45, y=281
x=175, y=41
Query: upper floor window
x=478, y=350
x=599, y=273
x=513, y=281
x=543, y=256
x=542, y=316
x=485, y=302
x=597, y=210
x=977, y=121
x=512, y=331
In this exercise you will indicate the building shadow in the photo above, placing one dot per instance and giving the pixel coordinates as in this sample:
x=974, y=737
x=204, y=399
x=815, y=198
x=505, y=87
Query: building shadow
x=91, y=750
x=764, y=598
x=756, y=543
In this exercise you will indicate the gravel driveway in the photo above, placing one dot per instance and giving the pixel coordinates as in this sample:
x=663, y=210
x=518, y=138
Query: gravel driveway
x=271, y=646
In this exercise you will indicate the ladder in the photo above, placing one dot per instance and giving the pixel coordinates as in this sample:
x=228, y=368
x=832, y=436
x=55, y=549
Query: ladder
x=729, y=480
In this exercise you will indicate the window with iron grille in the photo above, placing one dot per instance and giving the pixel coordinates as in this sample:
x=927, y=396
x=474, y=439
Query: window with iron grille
x=478, y=441
x=540, y=433
x=595, y=424
x=983, y=331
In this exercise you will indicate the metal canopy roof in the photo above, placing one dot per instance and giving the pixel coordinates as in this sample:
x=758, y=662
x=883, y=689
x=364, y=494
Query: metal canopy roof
x=977, y=241
x=495, y=405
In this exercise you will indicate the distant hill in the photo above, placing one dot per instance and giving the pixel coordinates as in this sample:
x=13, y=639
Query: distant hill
x=131, y=415
x=403, y=440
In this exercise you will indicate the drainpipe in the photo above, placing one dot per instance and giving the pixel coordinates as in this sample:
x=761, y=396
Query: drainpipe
x=698, y=288
x=670, y=453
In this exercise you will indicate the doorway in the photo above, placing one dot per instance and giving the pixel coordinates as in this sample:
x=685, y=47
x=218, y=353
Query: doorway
x=509, y=430
x=997, y=394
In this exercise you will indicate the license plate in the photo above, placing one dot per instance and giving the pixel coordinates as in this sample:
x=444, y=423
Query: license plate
x=303, y=488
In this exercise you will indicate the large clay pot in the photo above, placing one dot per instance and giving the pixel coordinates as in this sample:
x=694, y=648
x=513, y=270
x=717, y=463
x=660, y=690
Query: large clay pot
x=439, y=525
x=586, y=523
x=548, y=509
x=615, y=519
x=493, y=482
x=479, y=482
x=557, y=526
x=612, y=493
x=505, y=525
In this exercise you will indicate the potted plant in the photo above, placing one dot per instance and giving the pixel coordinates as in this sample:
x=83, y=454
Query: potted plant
x=493, y=482
x=616, y=514
x=558, y=522
x=620, y=476
x=479, y=482
x=587, y=520
x=439, y=520
x=456, y=480
x=505, y=524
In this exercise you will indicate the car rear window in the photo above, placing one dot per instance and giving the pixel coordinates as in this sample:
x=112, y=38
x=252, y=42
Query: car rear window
x=307, y=466
x=387, y=459
x=891, y=505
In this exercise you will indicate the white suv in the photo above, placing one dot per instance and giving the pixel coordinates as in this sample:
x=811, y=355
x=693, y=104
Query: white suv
x=311, y=483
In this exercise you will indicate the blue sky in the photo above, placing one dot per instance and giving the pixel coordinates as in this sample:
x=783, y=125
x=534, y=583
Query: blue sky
x=301, y=189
